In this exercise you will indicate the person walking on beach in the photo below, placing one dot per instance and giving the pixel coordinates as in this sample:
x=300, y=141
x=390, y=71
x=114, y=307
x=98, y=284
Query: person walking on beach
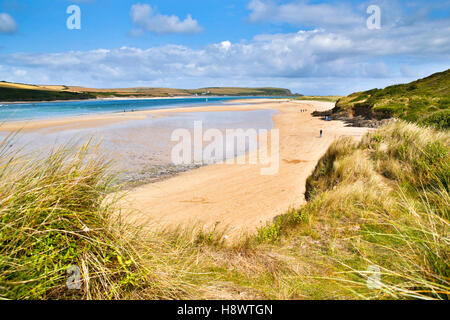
x=321, y=132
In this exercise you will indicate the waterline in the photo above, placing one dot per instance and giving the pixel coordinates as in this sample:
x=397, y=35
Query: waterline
x=52, y=110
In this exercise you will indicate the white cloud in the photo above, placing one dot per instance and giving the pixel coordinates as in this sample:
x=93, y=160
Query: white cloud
x=226, y=45
x=315, y=61
x=340, y=15
x=146, y=18
x=301, y=13
x=20, y=73
x=7, y=23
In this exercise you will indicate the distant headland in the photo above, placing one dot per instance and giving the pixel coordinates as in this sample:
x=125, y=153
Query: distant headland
x=18, y=92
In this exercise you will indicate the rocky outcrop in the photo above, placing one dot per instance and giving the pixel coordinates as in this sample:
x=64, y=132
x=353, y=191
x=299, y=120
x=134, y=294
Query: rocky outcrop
x=351, y=120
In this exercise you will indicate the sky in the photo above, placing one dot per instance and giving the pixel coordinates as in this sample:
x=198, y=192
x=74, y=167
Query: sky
x=310, y=47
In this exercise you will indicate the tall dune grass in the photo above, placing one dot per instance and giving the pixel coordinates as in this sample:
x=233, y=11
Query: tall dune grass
x=412, y=250
x=381, y=204
x=53, y=215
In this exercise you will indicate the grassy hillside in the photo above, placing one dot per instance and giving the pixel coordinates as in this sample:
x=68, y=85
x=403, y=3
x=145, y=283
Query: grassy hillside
x=16, y=94
x=320, y=98
x=235, y=91
x=10, y=85
x=426, y=100
x=132, y=92
x=376, y=209
x=23, y=92
x=376, y=226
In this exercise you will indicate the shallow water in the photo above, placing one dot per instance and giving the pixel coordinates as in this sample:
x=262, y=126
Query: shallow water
x=47, y=110
x=137, y=147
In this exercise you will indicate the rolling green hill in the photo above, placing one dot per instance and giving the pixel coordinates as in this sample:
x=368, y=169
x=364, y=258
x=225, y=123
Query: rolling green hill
x=425, y=101
x=23, y=92
x=319, y=98
x=236, y=91
x=14, y=94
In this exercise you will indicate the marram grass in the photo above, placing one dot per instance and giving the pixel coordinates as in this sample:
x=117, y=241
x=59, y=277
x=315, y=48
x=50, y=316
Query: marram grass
x=381, y=204
x=53, y=215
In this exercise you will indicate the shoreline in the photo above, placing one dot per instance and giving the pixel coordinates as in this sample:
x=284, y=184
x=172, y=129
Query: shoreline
x=140, y=98
x=236, y=198
x=98, y=99
x=88, y=121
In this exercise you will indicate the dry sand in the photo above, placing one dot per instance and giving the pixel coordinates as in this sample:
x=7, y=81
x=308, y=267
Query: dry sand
x=238, y=197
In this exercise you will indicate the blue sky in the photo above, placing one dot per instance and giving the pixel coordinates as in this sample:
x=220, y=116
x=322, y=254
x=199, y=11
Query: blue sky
x=310, y=47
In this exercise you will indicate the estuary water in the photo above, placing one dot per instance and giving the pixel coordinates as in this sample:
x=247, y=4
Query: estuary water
x=49, y=110
x=140, y=149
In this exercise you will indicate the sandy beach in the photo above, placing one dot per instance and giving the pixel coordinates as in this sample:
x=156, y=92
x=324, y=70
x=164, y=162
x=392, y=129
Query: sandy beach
x=237, y=197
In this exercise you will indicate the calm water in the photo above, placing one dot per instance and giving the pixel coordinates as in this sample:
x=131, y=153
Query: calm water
x=138, y=146
x=46, y=110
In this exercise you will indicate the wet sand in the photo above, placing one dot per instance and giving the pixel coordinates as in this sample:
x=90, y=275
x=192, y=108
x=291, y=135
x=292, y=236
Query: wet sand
x=93, y=121
x=237, y=197
x=138, y=143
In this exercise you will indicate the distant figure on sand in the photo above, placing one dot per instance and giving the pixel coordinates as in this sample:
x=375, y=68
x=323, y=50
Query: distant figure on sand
x=321, y=132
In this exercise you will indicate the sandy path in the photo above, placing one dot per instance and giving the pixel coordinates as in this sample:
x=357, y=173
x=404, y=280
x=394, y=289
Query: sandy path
x=238, y=196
